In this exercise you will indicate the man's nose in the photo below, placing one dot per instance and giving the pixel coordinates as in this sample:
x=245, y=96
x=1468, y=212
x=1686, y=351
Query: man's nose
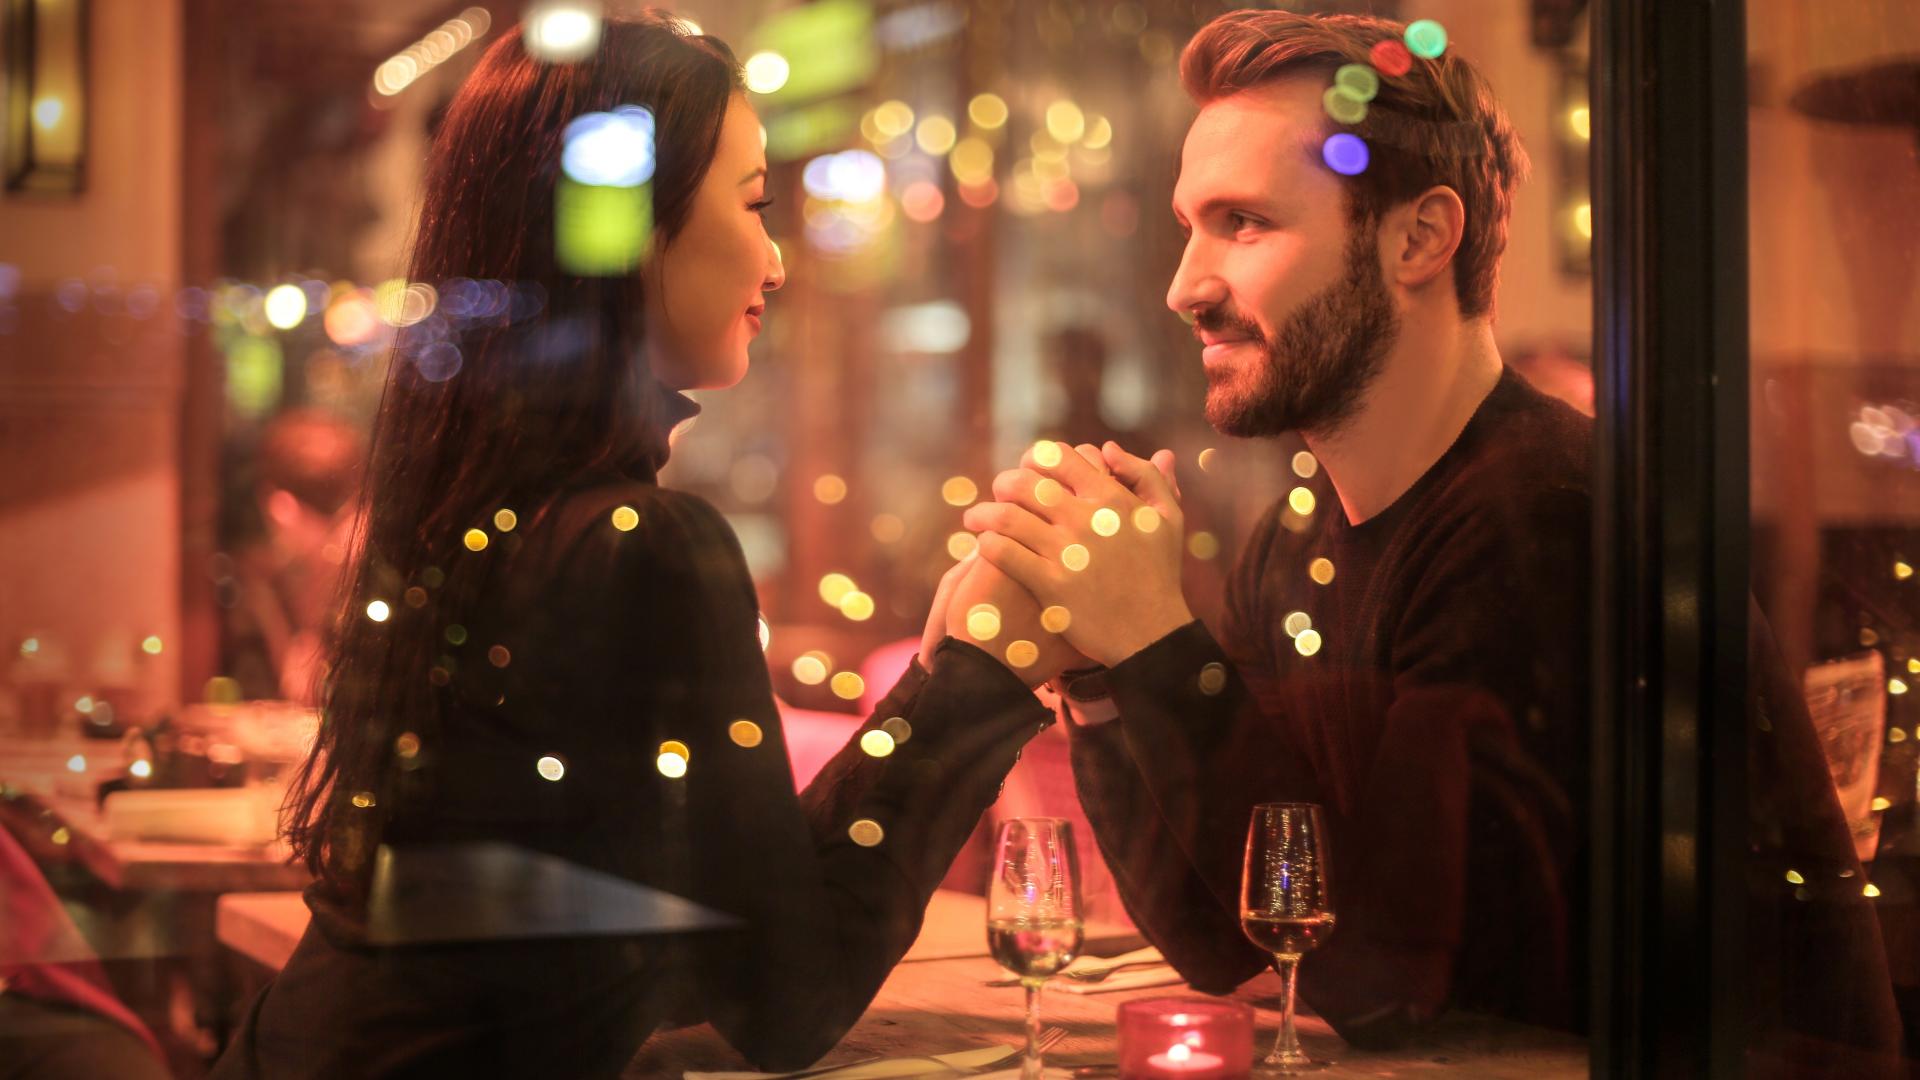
x=1195, y=285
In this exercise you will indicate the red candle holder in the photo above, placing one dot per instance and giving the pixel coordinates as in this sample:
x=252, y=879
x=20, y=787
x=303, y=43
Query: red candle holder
x=1185, y=1038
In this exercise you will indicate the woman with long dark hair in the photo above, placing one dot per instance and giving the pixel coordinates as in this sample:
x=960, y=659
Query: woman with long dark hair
x=544, y=657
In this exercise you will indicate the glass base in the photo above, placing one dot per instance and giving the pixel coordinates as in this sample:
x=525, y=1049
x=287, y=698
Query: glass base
x=1297, y=1067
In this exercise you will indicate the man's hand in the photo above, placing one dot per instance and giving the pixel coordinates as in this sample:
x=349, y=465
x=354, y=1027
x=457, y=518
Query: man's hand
x=990, y=610
x=1104, y=547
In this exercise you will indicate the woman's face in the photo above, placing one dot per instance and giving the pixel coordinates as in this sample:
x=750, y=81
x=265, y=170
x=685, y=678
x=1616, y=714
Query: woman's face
x=705, y=289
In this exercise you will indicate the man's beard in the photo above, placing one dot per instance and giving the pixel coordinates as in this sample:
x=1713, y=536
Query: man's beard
x=1314, y=376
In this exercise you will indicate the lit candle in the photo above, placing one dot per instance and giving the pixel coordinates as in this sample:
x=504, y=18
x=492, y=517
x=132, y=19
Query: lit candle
x=1184, y=1061
x=1185, y=1039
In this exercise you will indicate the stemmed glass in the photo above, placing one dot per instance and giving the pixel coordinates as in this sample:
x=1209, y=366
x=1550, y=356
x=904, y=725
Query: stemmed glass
x=1033, y=911
x=1285, y=908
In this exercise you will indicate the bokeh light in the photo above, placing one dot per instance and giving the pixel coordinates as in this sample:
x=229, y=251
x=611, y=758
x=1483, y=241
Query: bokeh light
x=1345, y=153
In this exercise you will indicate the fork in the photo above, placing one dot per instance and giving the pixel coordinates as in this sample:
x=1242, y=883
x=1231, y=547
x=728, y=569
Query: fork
x=1049, y=1038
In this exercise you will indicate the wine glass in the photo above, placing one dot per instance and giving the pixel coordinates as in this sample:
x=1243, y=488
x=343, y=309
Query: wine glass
x=1285, y=908
x=1033, y=911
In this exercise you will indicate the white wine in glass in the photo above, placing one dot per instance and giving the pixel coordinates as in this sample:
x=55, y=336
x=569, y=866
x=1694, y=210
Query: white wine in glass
x=1033, y=911
x=1286, y=908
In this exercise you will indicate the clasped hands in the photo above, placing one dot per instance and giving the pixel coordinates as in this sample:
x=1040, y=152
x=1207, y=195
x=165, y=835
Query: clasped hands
x=1078, y=562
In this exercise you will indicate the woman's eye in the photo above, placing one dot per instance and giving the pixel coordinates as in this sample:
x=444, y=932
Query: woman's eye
x=760, y=207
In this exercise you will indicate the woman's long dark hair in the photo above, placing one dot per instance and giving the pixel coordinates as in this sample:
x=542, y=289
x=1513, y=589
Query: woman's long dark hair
x=524, y=379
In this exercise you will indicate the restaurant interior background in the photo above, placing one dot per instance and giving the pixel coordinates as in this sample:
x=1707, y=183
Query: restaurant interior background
x=201, y=260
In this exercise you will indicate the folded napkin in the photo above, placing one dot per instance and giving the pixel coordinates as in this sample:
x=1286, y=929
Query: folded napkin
x=1125, y=980
x=924, y=1065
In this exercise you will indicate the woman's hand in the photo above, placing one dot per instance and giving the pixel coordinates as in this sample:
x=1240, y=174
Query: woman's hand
x=937, y=616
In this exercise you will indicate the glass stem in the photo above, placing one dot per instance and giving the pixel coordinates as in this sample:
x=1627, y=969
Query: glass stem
x=1286, y=1048
x=1030, y=1067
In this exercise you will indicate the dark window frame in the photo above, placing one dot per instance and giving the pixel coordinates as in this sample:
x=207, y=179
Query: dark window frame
x=1671, y=525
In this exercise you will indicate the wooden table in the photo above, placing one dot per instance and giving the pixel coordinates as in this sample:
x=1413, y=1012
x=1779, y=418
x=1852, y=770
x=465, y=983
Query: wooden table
x=941, y=1005
x=937, y=1000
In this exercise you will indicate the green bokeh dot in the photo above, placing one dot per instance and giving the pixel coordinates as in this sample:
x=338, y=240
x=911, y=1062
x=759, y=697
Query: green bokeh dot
x=1427, y=39
x=1343, y=106
x=1358, y=80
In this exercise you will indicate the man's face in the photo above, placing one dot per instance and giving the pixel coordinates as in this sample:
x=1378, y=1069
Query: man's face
x=1290, y=302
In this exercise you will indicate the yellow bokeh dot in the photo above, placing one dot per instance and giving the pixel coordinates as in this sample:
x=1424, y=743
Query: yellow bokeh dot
x=415, y=596
x=1056, y=619
x=1106, y=521
x=1321, y=571
x=1794, y=877
x=1046, y=454
x=1902, y=570
x=983, y=622
x=745, y=733
x=550, y=768
x=898, y=728
x=1213, y=679
x=1307, y=643
x=1075, y=557
x=1301, y=500
x=363, y=799
x=498, y=656
x=476, y=539
x=62, y=835
x=675, y=746
x=1871, y=890
x=456, y=634
x=151, y=645
x=1203, y=545
x=987, y=111
x=962, y=544
x=1048, y=492
x=671, y=766
x=876, y=743
x=505, y=520
x=407, y=745
x=1896, y=686
x=857, y=606
x=141, y=768
x=935, y=135
x=1881, y=802
x=1914, y=665
x=1207, y=459
x=1022, y=653
x=1305, y=464
x=1897, y=734
x=378, y=611
x=866, y=832
x=1297, y=623
x=626, y=518
x=834, y=588
x=959, y=491
x=848, y=686
x=1146, y=519
x=810, y=669
x=830, y=489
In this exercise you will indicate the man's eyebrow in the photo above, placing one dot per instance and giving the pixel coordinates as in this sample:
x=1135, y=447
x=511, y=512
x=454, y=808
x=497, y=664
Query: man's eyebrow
x=754, y=175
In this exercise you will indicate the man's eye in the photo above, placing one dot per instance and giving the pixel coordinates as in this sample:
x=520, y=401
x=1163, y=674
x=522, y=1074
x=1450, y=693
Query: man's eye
x=1241, y=221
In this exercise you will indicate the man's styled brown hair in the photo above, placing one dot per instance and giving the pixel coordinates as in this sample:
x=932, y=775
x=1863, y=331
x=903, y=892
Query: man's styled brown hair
x=1436, y=125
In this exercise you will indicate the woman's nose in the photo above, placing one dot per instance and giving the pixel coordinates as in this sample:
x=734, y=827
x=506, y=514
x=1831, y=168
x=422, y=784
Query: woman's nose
x=776, y=268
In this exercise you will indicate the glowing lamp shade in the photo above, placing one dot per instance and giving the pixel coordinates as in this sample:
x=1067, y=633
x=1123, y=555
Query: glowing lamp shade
x=45, y=65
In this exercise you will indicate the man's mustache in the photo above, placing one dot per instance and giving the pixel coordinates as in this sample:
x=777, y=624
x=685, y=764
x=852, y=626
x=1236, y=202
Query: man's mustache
x=1223, y=322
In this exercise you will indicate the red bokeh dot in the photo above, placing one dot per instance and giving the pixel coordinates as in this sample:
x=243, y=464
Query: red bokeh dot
x=1391, y=58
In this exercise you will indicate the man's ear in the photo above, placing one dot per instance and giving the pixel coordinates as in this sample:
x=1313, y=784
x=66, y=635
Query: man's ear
x=1423, y=235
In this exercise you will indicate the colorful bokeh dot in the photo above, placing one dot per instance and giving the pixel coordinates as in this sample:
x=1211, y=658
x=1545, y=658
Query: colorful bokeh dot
x=1345, y=154
x=1391, y=58
x=1426, y=39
